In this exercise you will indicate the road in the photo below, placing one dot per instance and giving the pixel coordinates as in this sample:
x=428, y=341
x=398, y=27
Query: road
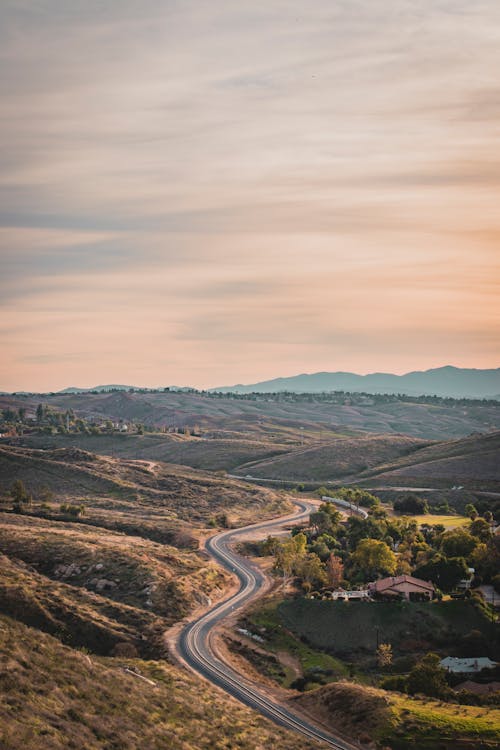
x=195, y=641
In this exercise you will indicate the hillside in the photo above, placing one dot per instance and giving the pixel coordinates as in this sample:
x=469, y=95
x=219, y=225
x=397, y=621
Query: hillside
x=397, y=721
x=64, y=699
x=213, y=454
x=133, y=485
x=137, y=572
x=333, y=460
x=473, y=462
x=277, y=419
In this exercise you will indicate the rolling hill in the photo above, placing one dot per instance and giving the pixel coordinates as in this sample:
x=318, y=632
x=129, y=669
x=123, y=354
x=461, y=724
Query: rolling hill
x=276, y=419
x=60, y=698
x=473, y=462
x=138, y=488
x=333, y=460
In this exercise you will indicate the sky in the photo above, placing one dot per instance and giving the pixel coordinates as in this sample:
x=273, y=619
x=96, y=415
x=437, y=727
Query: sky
x=207, y=193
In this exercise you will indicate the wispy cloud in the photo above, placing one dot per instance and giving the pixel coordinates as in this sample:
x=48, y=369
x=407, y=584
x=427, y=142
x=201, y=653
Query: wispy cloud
x=224, y=181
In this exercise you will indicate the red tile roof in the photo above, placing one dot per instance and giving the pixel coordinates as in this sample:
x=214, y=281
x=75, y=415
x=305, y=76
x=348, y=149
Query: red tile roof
x=385, y=584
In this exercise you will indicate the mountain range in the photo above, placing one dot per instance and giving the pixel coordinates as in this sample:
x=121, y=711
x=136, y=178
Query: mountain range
x=445, y=381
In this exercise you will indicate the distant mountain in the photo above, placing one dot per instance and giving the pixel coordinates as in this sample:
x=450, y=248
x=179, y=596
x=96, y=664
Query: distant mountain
x=442, y=381
x=72, y=389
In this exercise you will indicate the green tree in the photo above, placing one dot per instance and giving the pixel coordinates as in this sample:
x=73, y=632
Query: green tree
x=373, y=557
x=411, y=504
x=40, y=413
x=364, y=528
x=470, y=510
x=311, y=570
x=444, y=572
x=458, y=543
x=481, y=529
x=428, y=678
x=18, y=492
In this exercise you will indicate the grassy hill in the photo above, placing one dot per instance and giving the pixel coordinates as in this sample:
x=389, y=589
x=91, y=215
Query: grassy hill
x=399, y=722
x=336, y=459
x=473, y=462
x=411, y=627
x=58, y=697
x=97, y=588
x=213, y=454
x=279, y=419
x=131, y=485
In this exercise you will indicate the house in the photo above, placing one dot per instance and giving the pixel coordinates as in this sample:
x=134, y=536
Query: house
x=349, y=595
x=404, y=586
x=466, y=666
x=465, y=583
x=479, y=688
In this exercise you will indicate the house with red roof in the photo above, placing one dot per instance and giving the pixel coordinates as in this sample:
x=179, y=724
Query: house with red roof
x=402, y=587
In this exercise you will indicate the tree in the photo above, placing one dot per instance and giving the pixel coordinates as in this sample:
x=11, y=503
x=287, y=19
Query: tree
x=372, y=557
x=18, y=492
x=40, y=413
x=325, y=519
x=22, y=413
x=488, y=516
x=444, y=572
x=471, y=511
x=289, y=553
x=9, y=415
x=384, y=655
x=411, y=504
x=364, y=528
x=335, y=570
x=428, y=678
x=310, y=569
x=480, y=528
x=458, y=543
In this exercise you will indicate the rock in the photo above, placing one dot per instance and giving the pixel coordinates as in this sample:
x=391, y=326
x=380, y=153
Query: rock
x=103, y=583
x=99, y=566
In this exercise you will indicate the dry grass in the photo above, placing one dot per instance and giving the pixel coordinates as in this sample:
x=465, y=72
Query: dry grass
x=473, y=462
x=397, y=721
x=336, y=459
x=276, y=420
x=188, y=494
x=151, y=578
x=222, y=451
x=58, y=698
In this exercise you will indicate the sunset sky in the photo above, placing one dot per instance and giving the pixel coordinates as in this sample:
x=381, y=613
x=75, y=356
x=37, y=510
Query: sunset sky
x=204, y=193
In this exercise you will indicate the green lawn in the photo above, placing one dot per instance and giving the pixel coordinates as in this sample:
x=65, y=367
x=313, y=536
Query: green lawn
x=449, y=522
x=317, y=667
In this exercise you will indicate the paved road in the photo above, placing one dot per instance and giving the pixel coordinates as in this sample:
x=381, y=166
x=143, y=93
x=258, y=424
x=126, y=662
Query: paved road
x=195, y=640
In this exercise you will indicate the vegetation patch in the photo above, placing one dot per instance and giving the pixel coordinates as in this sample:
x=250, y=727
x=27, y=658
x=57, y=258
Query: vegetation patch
x=58, y=697
x=400, y=722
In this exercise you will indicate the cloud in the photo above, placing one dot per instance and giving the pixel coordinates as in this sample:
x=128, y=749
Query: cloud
x=245, y=175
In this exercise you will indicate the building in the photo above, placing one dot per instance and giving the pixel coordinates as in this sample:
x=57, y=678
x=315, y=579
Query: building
x=479, y=688
x=466, y=666
x=465, y=583
x=402, y=587
x=349, y=595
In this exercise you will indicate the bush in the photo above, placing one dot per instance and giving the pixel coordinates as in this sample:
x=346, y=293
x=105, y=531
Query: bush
x=395, y=682
x=411, y=504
